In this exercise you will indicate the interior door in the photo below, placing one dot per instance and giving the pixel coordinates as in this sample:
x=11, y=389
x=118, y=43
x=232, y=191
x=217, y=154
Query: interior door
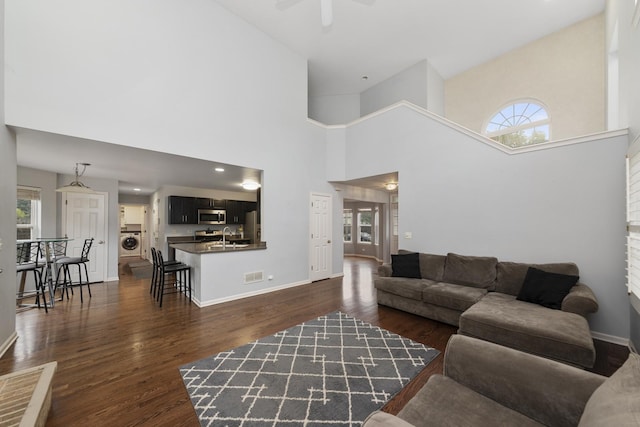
x=321, y=252
x=84, y=216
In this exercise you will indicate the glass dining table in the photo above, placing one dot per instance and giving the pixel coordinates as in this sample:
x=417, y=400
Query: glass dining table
x=49, y=247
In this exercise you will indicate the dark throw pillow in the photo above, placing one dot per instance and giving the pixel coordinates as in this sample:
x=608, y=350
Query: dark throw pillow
x=546, y=289
x=406, y=265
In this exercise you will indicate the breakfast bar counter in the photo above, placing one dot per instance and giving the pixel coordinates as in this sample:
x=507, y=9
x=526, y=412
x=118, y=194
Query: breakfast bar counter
x=221, y=273
x=216, y=247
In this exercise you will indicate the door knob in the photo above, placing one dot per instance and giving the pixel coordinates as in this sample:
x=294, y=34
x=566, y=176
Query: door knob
x=328, y=241
x=101, y=242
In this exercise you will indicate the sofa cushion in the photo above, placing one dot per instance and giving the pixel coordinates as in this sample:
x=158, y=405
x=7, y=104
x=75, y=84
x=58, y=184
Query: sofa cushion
x=448, y=295
x=546, y=289
x=444, y=402
x=510, y=275
x=617, y=401
x=531, y=328
x=479, y=272
x=402, y=286
x=432, y=266
x=406, y=265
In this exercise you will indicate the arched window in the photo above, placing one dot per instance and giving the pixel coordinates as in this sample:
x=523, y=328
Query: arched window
x=519, y=124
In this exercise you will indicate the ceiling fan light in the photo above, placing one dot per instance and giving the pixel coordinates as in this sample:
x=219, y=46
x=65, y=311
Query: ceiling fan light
x=326, y=12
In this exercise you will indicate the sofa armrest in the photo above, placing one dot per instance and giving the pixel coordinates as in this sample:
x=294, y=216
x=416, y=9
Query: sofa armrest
x=385, y=270
x=380, y=419
x=550, y=392
x=581, y=300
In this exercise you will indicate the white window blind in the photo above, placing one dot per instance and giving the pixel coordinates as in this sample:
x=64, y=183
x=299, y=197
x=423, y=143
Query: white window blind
x=633, y=219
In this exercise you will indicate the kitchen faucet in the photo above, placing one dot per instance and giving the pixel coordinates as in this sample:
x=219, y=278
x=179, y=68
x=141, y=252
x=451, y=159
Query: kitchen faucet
x=224, y=239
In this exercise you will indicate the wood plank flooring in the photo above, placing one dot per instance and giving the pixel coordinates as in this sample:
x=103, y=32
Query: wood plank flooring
x=118, y=353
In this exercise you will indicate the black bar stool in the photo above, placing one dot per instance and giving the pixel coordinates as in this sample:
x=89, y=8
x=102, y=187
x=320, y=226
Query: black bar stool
x=182, y=278
x=29, y=258
x=82, y=260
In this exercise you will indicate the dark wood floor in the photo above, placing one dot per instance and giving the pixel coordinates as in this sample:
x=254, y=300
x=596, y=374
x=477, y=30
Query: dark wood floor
x=118, y=353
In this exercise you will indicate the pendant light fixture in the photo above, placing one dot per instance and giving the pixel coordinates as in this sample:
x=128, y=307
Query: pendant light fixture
x=76, y=186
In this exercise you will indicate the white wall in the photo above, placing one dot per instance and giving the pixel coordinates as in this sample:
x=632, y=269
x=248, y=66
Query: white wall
x=564, y=70
x=461, y=195
x=334, y=109
x=7, y=217
x=413, y=84
x=46, y=181
x=162, y=76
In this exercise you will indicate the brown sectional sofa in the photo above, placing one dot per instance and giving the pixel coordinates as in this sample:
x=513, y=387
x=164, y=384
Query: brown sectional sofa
x=478, y=294
x=485, y=384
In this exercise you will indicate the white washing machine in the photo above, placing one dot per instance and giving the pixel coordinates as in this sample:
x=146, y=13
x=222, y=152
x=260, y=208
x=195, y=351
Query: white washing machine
x=130, y=244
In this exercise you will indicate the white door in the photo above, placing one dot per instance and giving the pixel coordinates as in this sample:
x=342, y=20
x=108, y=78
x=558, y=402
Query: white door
x=85, y=218
x=321, y=253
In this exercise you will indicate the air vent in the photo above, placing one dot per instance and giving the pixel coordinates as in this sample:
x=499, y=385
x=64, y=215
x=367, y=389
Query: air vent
x=253, y=277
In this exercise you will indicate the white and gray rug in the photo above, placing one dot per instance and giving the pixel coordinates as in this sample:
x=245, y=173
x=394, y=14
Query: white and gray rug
x=331, y=371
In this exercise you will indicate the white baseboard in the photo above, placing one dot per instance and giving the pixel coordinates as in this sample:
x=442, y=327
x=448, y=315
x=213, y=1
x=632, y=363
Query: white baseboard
x=8, y=343
x=248, y=294
x=610, y=338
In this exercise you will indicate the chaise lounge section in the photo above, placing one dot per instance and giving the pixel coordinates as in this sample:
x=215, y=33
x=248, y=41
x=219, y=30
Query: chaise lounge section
x=485, y=384
x=536, y=308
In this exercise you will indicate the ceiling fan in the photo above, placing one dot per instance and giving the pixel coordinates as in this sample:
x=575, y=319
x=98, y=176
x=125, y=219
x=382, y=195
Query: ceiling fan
x=326, y=8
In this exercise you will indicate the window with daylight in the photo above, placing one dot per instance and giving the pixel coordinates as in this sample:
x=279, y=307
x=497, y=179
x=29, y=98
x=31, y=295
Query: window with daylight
x=28, y=213
x=520, y=124
x=347, y=220
x=633, y=219
x=365, y=217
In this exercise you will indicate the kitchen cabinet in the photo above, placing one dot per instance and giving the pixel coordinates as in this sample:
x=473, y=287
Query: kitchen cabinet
x=204, y=203
x=183, y=210
x=235, y=212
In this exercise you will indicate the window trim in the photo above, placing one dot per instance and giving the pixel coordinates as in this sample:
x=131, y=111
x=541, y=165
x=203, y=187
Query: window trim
x=517, y=128
x=344, y=225
x=35, y=195
x=359, y=226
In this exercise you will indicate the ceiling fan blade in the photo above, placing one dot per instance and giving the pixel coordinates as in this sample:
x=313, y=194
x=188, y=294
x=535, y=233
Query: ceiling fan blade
x=284, y=4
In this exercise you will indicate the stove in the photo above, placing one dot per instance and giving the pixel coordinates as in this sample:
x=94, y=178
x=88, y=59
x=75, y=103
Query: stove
x=208, y=235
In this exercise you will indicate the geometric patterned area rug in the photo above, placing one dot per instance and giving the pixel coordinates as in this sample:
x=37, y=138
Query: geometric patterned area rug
x=331, y=371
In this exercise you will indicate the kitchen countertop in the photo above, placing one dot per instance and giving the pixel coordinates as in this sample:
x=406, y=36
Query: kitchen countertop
x=215, y=247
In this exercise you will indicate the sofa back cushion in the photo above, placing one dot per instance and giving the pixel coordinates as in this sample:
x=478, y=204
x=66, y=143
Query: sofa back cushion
x=510, y=275
x=617, y=401
x=479, y=272
x=432, y=266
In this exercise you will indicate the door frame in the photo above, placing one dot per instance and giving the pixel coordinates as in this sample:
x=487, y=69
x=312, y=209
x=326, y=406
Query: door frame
x=329, y=199
x=63, y=228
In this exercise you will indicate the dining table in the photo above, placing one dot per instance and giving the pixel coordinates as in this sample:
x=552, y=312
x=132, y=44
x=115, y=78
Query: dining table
x=49, y=255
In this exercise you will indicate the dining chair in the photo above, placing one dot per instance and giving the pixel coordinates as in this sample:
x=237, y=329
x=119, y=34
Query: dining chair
x=29, y=258
x=80, y=262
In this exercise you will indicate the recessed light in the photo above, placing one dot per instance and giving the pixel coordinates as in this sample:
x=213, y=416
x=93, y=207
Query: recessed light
x=219, y=169
x=137, y=189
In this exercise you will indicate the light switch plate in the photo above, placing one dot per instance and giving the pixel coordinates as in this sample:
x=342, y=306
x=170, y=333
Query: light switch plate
x=408, y=235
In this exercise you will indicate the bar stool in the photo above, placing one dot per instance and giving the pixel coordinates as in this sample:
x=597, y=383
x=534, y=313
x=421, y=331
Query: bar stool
x=82, y=260
x=29, y=258
x=155, y=275
x=182, y=277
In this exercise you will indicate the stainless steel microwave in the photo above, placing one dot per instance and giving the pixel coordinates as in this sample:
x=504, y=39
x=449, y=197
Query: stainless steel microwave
x=212, y=216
